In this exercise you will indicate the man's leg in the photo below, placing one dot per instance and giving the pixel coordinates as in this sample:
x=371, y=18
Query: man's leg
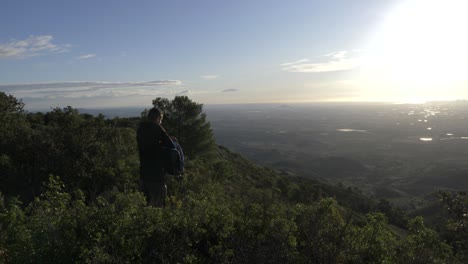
x=159, y=194
x=155, y=192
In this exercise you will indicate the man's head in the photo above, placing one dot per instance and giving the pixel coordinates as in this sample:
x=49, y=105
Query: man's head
x=155, y=115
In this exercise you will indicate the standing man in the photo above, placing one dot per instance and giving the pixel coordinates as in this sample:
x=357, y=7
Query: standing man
x=151, y=138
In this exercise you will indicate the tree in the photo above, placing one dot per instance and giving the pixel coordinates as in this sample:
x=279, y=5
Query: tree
x=322, y=228
x=11, y=118
x=456, y=204
x=14, y=136
x=423, y=245
x=185, y=119
x=374, y=242
x=9, y=104
x=86, y=152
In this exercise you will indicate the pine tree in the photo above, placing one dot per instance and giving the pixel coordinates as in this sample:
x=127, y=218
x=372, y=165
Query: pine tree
x=185, y=120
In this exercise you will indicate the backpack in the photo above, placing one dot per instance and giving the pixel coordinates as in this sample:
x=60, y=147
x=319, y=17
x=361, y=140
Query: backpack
x=174, y=159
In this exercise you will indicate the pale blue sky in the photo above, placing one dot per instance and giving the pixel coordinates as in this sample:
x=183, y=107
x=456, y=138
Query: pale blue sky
x=125, y=53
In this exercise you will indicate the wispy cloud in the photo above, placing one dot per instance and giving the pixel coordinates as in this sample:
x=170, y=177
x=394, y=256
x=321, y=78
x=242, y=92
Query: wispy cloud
x=183, y=92
x=86, y=56
x=32, y=46
x=209, y=77
x=229, y=90
x=337, y=55
x=91, y=89
x=294, y=62
x=336, y=61
x=159, y=83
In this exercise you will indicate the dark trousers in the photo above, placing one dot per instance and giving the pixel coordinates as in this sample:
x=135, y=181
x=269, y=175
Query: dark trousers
x=155, y=192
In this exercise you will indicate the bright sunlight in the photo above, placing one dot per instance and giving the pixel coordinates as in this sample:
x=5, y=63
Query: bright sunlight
x=419, y=53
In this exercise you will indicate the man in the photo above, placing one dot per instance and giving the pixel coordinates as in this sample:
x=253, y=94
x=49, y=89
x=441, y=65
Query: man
x=151, y=138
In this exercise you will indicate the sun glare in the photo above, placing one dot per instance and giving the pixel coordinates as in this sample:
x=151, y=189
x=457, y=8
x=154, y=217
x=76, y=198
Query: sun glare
x=419, y=53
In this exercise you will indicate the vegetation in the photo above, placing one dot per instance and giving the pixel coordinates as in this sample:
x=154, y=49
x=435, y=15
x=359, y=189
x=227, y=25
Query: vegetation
x=69, y=184
x=186, y=121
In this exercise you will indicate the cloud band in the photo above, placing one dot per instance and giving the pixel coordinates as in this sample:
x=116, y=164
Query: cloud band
x=32, y=46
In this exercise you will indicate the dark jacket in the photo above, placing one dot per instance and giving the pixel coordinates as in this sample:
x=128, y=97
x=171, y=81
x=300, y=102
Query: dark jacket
x=151, y=137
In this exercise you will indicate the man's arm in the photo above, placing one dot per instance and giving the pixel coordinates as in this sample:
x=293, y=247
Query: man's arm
x=165, y=140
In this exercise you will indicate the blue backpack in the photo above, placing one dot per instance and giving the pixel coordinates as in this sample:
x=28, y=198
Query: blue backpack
x=174, y=159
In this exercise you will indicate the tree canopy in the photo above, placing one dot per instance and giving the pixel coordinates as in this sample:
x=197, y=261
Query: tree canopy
x=185, y=120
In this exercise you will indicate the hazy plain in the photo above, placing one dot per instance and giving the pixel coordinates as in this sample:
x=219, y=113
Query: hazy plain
x=400, y=152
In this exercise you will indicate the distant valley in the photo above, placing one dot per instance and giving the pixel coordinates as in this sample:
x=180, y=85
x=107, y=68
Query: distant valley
x=403, y=153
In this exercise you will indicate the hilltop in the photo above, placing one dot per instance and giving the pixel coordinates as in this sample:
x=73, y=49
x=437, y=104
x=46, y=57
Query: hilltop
x=70, y=194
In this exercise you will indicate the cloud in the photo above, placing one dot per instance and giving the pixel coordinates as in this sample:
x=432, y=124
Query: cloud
x=295, y=62
x=86, y=56
x=183, y=92
x=32, y=46
x=90, y=89
x=229, y=90
x=338, y=55
x=337, y=61
x=160, y=82
x=209, y=77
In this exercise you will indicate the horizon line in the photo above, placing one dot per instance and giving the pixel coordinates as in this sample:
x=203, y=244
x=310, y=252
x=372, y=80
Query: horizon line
x=258, y=103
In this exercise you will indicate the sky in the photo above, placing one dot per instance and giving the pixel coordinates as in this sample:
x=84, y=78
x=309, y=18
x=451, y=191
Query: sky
x=117, y=53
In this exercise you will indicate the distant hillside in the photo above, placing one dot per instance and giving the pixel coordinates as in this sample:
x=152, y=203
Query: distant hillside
x=292, y=188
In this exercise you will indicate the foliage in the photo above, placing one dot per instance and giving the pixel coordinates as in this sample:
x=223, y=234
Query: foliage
x=9, y=104
x=422, y=245
x=456, y=205
x=84, y=151
x=373, y=242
